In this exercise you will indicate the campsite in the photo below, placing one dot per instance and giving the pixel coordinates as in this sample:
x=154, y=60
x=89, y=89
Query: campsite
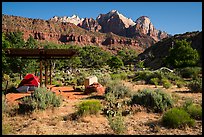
x=62, y=120
x=108, y=69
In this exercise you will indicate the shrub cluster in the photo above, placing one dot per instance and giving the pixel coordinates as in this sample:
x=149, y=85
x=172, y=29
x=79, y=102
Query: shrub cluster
x=121, y=76
x=157, y=100
x=157, y=77
x=190, y=72
x=194, y=110
x=155, y=81
x=195, y=85
x=177, y=118
x=166, y=83
x=118, y=89
x=117, y=124
x=89, y=107
x=180, y=83
x=40, y=99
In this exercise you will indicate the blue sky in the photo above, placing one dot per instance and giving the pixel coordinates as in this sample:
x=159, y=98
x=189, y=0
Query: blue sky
x=171, y=17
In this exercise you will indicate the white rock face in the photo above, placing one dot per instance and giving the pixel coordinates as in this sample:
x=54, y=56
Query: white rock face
x=73, y=19
x=145, y=23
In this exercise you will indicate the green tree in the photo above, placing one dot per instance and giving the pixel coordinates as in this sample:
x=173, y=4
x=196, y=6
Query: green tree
x=31, y=43
x=127, y=55
x=16, y=39
x=5, y=63
x=115, y=62
x=92, y=56
x=182, y=55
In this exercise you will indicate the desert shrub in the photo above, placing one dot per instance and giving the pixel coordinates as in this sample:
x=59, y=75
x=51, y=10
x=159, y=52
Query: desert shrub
x=195, y=85
x=155, y=81
x=40, y=99
x=177, y=118
x=142, y=75
x=180, y=83
x=104, y=79
x=194, y=110
x=172, y=76
x=190, y=72
x=148, y=75
x=118, y=89
x=120, y=76
x=89, y=107
x=117, y=124
x=157, y=100
x=111, y=107
x=166, y=83
x=57, y=83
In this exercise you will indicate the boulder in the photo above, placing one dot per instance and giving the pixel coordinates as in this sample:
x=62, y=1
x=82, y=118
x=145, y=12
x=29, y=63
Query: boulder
x=96, y=88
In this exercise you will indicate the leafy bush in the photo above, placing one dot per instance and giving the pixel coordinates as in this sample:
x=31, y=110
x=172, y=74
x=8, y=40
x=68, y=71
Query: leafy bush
x=142, y=75
x=172, y=76
x=157, y=100
x=104, y=79
x=40, y=99
x=155, y=81
x=190, y=72
x=195, y=85
x=180, y=83
x=166, y=83
x=118, y=89
x=194, y=110
x=115, y=62
x=177, y=118
x=121, y=76
x=117, y=124
x=57, y=83
x=148, y=75
x=89, y=107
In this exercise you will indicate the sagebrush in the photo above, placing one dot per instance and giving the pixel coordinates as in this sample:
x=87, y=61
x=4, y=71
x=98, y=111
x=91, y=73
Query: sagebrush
x=157, y=100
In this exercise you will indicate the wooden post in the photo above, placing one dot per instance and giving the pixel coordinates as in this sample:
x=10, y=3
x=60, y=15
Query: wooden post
x=50, y=72
x=40, y=72
x=46, y=73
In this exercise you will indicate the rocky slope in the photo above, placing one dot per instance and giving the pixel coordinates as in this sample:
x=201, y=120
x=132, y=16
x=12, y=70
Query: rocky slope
x=68, y=33
x=154, y=55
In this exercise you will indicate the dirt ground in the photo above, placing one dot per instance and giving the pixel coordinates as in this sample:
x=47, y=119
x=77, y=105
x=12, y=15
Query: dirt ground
x=58, y=121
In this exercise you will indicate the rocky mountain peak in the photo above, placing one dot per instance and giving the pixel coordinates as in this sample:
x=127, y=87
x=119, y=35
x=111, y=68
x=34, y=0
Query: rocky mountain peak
x=115, y=14
x=73, y=19
x=144, y=23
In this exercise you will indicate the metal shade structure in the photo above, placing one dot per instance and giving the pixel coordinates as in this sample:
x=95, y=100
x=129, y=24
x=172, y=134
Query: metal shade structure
x=42, y=54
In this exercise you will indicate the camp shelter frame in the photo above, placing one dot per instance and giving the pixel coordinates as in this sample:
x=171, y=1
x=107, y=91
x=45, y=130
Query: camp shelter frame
x=42, y=54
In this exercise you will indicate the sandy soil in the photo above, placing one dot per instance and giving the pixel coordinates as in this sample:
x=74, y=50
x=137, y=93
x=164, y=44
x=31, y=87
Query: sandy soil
x=59, y=120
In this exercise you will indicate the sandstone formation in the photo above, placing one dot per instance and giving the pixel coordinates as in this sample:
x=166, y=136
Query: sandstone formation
x=67, y=33
x=118, y=24
x=90, y=24
x=114, y=22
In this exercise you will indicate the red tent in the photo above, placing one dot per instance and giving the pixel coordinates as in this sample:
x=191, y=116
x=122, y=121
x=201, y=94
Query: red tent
x=29, y=80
